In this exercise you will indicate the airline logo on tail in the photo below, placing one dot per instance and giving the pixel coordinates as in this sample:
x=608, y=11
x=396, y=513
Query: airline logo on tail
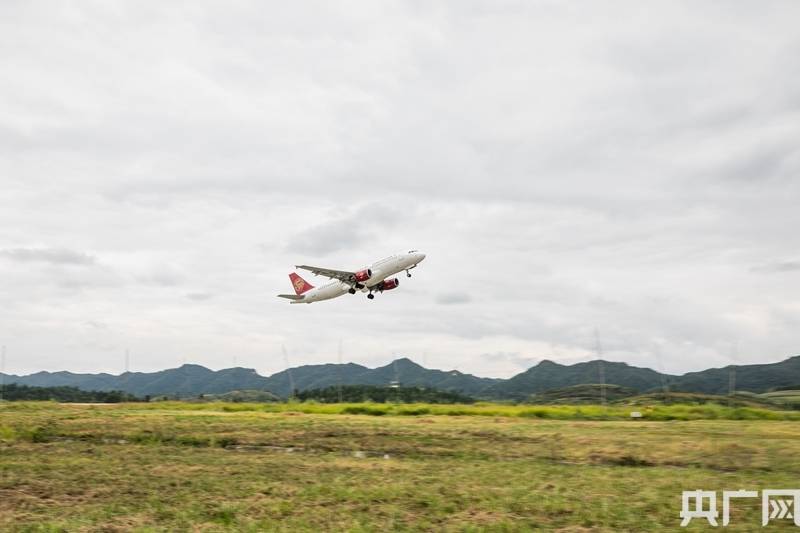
x=300, y=285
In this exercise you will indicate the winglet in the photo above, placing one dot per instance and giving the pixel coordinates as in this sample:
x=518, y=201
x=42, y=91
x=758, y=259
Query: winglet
x=300, y=285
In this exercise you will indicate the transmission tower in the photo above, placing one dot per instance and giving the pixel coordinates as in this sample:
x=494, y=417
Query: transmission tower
x=2, y=372
x=732, y=373
x=664, y=384
x=339, y=372
x=288, y=371
x=600, y=367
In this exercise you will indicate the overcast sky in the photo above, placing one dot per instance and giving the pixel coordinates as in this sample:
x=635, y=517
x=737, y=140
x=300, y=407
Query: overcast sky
x=625, y=167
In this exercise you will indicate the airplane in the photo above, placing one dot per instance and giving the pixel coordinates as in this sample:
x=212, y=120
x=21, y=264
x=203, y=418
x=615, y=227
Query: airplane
x=376, y=277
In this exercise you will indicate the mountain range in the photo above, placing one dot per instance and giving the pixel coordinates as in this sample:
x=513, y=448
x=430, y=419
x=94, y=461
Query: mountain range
x=192, y=380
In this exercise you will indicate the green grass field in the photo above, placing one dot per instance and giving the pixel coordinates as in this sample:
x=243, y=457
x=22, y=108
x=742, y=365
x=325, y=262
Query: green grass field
x=307, y=467
x=784, y=396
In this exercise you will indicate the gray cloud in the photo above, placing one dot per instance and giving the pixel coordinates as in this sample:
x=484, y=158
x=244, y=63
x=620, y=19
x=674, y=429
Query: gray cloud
x=199, y=296
x=334, y=236
x=519, y=360
x=345, y=232
x=453, y=298
x=765, y=163
x=163, y=275
x=782, y=266
x=55, y=256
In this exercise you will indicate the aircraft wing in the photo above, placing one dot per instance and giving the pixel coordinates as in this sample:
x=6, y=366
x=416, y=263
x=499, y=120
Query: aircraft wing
x=341, y=275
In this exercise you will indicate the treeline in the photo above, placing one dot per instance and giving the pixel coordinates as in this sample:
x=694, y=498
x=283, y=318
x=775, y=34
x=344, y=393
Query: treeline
x=788, y=387
x=14, y=392
x=371, y=393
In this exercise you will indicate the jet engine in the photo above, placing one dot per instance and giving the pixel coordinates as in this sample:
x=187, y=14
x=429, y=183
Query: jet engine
x=363, y=275
x=388, y=284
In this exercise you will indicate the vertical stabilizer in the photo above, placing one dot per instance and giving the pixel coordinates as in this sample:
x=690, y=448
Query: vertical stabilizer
x=300, y=285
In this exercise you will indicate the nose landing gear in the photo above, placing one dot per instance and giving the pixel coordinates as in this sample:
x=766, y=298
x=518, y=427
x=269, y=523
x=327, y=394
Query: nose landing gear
x=408, y=274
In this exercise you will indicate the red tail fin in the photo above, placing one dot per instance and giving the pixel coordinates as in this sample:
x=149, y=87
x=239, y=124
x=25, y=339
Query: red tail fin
x=300, y=285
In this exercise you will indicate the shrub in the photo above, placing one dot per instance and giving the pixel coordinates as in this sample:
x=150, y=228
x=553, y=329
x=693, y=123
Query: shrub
x=363, y=410
x=414, y=411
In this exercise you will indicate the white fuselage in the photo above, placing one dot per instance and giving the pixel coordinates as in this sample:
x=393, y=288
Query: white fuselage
x=381, y=270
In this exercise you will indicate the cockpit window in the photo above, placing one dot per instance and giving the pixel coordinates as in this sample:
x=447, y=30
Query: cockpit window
x=412, y=251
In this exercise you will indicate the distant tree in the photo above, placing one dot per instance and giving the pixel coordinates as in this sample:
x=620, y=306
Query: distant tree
x=16, y=392
x=371, y=393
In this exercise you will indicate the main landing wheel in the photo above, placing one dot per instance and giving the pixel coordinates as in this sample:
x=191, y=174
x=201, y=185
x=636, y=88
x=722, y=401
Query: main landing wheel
x=370, y=296
x=351, y=290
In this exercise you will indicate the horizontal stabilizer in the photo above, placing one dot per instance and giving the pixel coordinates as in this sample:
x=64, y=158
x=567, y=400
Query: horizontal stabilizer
x=291, y=296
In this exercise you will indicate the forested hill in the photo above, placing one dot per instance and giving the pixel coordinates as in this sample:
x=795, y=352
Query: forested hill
x=753, y=378
x=192, y=380
x=548, y=375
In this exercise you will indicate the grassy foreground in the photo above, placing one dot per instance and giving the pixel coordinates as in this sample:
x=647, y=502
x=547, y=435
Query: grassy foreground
x=232, y=467
x=708, y=411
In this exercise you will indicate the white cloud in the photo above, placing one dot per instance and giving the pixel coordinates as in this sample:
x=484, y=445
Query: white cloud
x=58, y=256
x=451, y=298
x=629, y=167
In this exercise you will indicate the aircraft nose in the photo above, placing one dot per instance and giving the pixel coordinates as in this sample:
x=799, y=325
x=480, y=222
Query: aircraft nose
x=421, y=256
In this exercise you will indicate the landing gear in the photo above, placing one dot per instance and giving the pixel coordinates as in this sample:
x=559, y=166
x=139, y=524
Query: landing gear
x=351, y=290
x=408, y=274
x=370, y=296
